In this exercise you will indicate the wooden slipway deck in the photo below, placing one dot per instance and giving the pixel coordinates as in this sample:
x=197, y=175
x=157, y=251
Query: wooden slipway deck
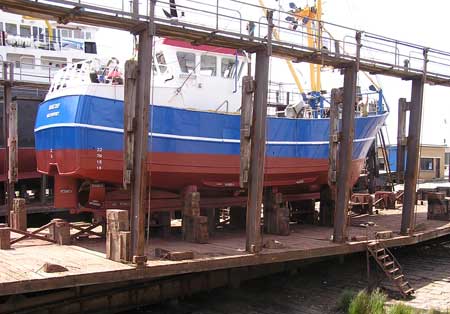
x=21, y=267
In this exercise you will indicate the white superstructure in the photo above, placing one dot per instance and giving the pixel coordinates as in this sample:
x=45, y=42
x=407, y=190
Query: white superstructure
x=40, y=48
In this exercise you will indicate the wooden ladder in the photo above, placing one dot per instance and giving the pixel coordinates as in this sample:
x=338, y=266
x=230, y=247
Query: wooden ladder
x=391, y=267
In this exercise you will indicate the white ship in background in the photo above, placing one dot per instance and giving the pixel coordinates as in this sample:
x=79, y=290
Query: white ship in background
x=37, y=49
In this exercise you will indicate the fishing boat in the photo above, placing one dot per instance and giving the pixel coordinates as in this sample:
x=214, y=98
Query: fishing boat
x=194, y=133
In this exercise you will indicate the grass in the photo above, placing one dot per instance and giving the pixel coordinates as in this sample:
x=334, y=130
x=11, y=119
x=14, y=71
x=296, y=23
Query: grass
x=368, y=303
x=375, y=303
x=400, y=308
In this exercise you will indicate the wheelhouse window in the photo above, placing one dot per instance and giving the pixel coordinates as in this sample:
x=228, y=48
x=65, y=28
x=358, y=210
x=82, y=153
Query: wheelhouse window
x=161, y=61
x=426, y=164
x=208, y=65
x=11, y=29
x=88, y=35
x=25, y=31
x=186, y=60
x=228, y=67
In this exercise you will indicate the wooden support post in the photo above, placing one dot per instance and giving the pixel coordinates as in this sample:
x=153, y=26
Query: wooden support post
x=139, y=174
x=60, y=231
x=412, y=157
x=19, y=214
x=5, y=239
x=258, y=149
x=8, y=78
x=12, y=143
x=248, y=87
x=345, y=155
x=401, y=139
x=276, y=214
x=118, y=236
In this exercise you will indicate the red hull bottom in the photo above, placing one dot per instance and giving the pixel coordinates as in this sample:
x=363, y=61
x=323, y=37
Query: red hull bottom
x=171, y=171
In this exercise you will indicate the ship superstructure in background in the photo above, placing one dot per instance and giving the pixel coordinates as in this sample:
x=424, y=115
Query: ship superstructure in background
x=194, y=135
x=37, y=49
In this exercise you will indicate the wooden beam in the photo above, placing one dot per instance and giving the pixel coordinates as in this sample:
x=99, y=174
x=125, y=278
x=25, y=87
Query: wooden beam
x=401, y=139
x=248, y=87
x=258, y=151
x=412, y=156
x=140, y=174
x=343, y=185
x=8, y=78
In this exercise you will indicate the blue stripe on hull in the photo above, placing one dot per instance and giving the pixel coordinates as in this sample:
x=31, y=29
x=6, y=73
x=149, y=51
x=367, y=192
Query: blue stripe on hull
x=184, y=131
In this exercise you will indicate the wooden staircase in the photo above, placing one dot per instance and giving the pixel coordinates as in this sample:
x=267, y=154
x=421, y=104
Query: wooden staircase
x=391, y=267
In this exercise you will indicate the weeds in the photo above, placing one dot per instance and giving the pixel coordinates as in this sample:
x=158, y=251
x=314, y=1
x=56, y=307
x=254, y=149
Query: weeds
x=400, y=308
x=365, y=303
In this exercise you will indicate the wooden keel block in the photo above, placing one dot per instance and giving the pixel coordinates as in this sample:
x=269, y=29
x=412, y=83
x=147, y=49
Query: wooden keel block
x=276, y=215
x=117, y=220
x=18, y=216
x=125, y=246
x=60, y=232
x=118, y=235
x=195, y=229
x=5, y=239
x=192, y=204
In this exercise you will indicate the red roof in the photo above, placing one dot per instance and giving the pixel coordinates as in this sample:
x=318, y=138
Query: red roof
x=185, y=44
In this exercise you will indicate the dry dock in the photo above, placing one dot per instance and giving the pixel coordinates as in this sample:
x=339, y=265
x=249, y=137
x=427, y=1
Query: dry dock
x=86, y=263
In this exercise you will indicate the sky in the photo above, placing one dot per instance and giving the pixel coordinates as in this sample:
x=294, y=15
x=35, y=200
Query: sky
x=424, y=23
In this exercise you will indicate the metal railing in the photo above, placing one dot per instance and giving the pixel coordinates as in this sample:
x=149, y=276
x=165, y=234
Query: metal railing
x=30, y=71
x=231, y=18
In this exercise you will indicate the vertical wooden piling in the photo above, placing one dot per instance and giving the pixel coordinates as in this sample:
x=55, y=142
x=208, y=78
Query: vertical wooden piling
x=412, y=157
x=8, y=78
x=248, y=86
x=345, y=154
x=258, y=149
x=401, y=139
x=139, y=176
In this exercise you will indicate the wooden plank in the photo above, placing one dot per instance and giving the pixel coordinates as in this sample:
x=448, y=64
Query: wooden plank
x=86, y=265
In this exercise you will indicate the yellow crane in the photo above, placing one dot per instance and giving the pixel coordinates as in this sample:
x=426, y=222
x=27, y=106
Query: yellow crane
x=47, y=23
x=310, y=17
x=288, y=62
